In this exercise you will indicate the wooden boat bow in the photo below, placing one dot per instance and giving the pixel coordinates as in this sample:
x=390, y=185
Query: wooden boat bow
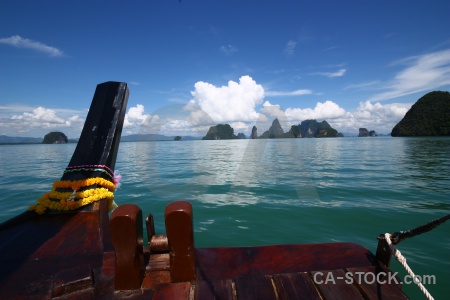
x=57, y=253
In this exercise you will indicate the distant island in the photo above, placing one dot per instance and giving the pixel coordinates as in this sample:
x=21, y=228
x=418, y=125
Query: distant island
x=50, y=138
x=363, y=132
x=220, y=132
x=55, y=138
x=429, y=116
x=306, y=129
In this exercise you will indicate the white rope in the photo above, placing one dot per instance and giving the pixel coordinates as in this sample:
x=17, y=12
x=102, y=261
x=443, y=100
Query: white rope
x=402, y=260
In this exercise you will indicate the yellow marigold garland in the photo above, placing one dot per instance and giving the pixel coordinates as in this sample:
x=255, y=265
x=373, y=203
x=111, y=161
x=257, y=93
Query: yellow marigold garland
x=78, y=184
x=73, y=200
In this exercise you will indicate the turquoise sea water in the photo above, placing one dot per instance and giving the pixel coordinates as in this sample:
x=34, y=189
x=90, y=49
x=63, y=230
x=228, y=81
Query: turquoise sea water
x=261, y=192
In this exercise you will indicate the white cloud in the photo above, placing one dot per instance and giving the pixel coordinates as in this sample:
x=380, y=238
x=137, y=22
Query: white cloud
x=377, y=114
x=326, y=110
x=425, y=72
x=274, y=111
x=373, y=116
x=135, y=116
x=19, y=42
x=196, y=121
x=41, y=115
x=290, y=48
x=174, y=119
x=292, y=93
x=22, y=119
x=270, y=112
x=338, y=73
x=234, y=102
x=228, y=50
x=152, y=124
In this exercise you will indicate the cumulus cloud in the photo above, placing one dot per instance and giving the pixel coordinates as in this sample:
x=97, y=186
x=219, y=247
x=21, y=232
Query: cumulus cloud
x=272, y=110
x=168, y=120
x=22, y=119
x=290, y=48
x=228, y=50
x=237, y=103
x=233, y=102
x=326, y=110
x=20, y=42
x=41, y=115
x=135, y=116
x=377, y=114
x=192, y=120
x=152, y=124
x=174, y=119
x=373, y=116
x=268, y=113
x=338, y=73
x=424, y=72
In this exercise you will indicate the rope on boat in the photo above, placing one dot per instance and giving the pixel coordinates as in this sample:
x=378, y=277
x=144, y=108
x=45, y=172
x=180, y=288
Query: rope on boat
x=397, y=237
x=402, y=260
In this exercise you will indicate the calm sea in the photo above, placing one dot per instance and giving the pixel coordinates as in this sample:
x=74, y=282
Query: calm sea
x=260, y=192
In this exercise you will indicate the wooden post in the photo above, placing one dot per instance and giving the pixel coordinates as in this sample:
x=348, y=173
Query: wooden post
x=180, y=233
x=126, y=237
x=150, y=225
x=383, y=251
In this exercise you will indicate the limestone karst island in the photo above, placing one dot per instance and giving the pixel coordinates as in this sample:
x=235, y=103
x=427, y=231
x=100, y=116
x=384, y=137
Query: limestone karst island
x=429, y=116
x=307, y=128
x=55, y=138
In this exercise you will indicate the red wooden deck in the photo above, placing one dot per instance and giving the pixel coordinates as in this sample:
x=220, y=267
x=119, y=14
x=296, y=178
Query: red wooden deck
x=283, y=272
x=70, y=256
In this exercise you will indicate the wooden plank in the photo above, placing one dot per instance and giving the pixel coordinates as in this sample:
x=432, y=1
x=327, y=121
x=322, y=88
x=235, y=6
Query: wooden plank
x=213, y=290
x=223, y=263
x=155, y=278
x=173, y=291
x=295, y=286
x=71, y=280
x=374, y=283
x=158, y=262
x=255, y=287
x=335, y=285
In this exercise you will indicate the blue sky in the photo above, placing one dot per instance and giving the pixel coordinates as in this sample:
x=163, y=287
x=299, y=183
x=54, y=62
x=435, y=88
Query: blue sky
x=193, y=64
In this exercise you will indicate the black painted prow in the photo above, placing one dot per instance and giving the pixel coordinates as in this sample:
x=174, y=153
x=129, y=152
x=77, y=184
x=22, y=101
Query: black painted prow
x=100, y=138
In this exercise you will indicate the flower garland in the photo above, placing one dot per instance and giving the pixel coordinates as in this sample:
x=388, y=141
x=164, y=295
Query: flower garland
x=75, y=199
x=78, y=184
